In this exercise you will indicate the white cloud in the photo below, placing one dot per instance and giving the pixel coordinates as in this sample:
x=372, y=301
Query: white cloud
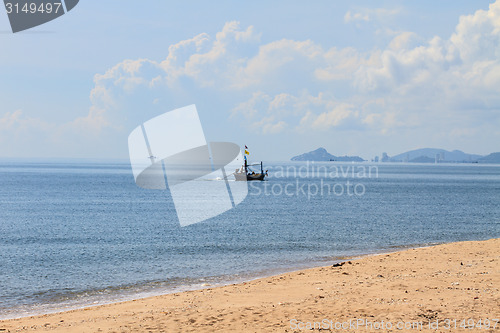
x=297, y=113
x=19, y=124
x=403, y=40
x=370, y=14
x=253, y=106
x=269, y=125
x=22, y=135
x=278, y=64
x=341, y=64
x=352, y=17
x=477, y=36
x=327, y=119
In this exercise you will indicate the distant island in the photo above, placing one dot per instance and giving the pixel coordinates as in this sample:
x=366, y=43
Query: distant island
x=491, y=158
x=434, y=155
x=424, y=155
x=321, y=154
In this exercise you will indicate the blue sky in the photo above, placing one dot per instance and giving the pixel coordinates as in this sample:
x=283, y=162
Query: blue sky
x=358, y=77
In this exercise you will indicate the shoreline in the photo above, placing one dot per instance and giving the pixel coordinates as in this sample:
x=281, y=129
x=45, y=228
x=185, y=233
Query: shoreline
x=58, y=308
x=426, y=283
x=135, y=296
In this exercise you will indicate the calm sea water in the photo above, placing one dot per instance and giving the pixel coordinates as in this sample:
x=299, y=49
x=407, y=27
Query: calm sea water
x=75, y=234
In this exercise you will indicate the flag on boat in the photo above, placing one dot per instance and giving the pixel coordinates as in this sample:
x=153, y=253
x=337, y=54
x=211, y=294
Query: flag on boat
x=246, y=152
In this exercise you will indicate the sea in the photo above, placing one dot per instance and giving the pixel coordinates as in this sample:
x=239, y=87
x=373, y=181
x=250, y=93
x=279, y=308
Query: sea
x=80, y=233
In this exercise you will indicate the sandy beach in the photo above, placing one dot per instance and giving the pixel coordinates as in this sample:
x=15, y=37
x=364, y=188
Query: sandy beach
x=425, y=289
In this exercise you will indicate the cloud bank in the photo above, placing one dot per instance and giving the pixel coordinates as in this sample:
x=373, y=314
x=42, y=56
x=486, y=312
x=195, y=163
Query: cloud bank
x=447, y=89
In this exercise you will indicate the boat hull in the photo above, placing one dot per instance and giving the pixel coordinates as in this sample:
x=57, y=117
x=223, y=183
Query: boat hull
x=243, y=177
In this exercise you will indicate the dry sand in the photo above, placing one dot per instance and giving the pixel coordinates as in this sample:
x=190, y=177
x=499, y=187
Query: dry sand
x=413, y=287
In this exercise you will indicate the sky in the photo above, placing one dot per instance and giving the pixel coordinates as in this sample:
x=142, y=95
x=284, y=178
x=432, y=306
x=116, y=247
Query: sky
x=282, y=77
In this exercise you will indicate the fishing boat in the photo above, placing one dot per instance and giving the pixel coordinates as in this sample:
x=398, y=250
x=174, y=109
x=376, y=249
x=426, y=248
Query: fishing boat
x=246, y=172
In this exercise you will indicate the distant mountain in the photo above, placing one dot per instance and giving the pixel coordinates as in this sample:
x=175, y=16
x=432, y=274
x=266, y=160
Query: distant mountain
x=425, y=155
x=321, y=154
x=347, y=159
x=491, y=158
x=422, y=159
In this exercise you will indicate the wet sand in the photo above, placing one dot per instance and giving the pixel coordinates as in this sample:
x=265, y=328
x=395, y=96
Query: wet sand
x=414, y=290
